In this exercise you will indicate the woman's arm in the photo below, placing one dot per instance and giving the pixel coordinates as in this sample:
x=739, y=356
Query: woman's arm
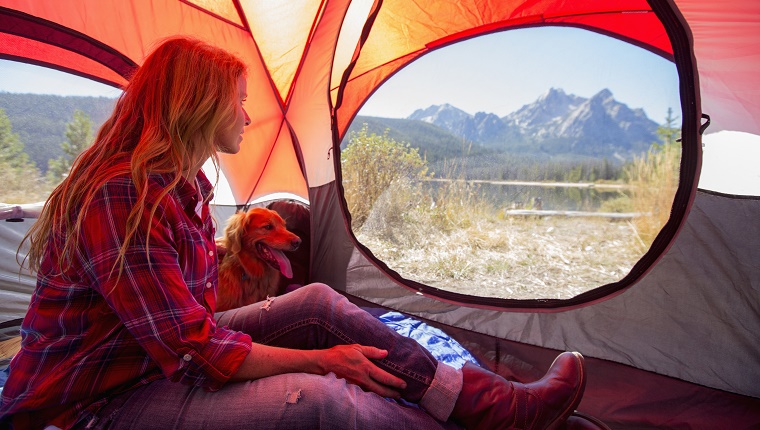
x=351, y=362
x=161, y=296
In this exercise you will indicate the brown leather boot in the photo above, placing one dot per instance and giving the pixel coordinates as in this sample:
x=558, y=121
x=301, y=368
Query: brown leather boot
x=490, y=402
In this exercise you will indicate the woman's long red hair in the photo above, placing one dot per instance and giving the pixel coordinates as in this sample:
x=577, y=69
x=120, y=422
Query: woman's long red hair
x=164, y=122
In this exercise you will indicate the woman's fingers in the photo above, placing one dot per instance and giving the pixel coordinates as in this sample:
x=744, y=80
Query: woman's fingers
x=377, y=373
x=352, y=362
x=373, y=353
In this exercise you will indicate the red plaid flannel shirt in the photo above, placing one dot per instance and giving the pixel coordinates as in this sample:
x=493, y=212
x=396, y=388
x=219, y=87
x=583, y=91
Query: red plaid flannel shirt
x=90, y=334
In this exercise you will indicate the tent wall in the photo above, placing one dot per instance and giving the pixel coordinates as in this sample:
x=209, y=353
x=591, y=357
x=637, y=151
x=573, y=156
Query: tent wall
x=698, y=302
x=728, y=59
x=16, y=286
x=623, y=396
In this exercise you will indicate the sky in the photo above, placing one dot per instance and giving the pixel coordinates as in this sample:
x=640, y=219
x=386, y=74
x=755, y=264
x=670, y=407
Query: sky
x=497, y=73
x=501, y=72
x=18, y=77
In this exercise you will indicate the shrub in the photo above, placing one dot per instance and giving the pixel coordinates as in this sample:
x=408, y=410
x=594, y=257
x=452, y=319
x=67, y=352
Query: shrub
x=620, y=204
x=370, y=164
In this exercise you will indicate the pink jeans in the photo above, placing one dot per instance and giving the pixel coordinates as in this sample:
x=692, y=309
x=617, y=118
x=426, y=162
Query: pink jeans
x=311, y=317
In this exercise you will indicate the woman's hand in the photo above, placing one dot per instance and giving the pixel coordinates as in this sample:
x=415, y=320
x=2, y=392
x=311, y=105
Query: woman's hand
x=352, y=362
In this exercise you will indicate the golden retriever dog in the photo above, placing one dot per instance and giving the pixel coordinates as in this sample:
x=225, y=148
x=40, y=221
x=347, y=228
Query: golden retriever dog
x=252, y=258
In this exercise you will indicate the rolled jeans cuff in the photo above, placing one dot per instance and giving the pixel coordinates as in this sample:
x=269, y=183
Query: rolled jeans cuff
x=440, y=397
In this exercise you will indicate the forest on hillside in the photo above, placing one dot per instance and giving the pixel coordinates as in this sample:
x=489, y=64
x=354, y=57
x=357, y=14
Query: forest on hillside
x=40, y=121
x=449, y=156
x=40, y=128
x=40, y=136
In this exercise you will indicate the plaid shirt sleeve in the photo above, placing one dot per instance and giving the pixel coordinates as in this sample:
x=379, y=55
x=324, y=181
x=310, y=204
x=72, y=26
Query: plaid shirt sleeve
x=165, y=296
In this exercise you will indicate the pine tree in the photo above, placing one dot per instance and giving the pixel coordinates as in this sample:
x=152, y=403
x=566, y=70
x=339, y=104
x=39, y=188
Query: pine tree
x=20, y=181
x=78, y=137
x=668, y=132
x=11, y=149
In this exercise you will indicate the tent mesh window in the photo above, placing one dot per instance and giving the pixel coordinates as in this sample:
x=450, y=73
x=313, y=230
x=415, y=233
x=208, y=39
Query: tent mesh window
x=551, y=180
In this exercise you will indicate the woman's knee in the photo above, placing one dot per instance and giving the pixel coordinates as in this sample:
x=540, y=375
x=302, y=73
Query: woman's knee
x=321, y=296
x=319, y=289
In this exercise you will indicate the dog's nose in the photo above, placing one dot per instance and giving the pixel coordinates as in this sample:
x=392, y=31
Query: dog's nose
x=296, y=243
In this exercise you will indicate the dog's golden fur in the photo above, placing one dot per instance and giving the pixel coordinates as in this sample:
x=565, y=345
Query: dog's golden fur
x=251, y=240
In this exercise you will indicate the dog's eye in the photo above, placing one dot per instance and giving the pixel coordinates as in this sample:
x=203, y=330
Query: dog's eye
x=268, y=227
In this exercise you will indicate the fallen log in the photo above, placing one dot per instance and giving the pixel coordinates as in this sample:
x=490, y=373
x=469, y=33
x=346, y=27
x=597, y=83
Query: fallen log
x=609, y=215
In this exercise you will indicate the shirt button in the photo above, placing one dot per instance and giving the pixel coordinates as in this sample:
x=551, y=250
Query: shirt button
x=209, y=285
x=211, y=253
x=187, y=357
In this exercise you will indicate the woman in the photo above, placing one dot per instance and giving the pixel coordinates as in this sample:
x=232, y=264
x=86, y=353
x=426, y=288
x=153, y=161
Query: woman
x=120, y=332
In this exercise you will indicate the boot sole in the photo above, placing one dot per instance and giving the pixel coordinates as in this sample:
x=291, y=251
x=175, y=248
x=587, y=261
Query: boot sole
x=560, y=421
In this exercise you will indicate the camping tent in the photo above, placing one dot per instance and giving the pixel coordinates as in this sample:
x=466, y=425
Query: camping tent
x=674, y=344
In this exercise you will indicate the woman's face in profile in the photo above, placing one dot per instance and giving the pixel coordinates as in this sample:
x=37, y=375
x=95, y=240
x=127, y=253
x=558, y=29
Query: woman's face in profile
x=228, y=139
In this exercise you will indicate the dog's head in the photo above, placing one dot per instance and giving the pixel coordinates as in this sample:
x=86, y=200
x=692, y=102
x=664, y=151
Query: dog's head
x=261, y=232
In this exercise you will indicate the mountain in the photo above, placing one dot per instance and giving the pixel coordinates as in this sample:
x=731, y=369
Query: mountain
x=548, y=110
x=482, y=128
x=445, y=116
x=556, y=123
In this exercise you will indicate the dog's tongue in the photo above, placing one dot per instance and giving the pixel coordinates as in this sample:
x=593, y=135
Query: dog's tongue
x=283, y=262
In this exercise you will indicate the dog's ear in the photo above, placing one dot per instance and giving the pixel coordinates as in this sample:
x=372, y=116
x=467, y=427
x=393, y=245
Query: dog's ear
x=234, y=232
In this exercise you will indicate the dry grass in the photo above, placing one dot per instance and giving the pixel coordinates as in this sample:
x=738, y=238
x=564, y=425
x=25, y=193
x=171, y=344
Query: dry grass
x=22, y=186
x=454, y=240
x=450, y=237
x=654, y=177
x=515, y=258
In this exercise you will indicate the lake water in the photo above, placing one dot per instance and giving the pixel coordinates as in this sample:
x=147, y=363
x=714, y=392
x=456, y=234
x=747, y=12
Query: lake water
x=561, y=198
